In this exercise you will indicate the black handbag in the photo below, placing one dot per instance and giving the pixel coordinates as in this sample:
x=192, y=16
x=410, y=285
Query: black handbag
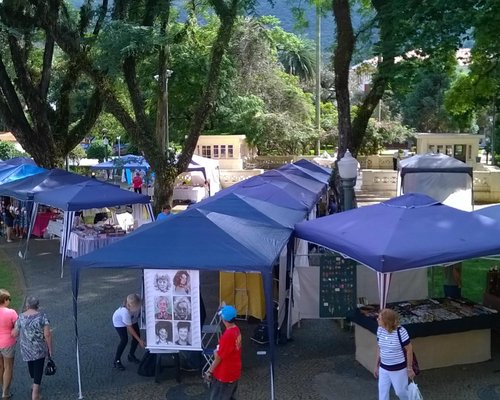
x=50, y=368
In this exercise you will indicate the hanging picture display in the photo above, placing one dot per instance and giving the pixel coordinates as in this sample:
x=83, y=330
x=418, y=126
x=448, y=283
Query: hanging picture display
x=172, y=307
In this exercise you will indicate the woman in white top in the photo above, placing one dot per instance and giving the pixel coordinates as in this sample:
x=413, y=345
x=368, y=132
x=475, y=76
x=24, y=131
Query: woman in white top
x=392, y=366
x=125, y=321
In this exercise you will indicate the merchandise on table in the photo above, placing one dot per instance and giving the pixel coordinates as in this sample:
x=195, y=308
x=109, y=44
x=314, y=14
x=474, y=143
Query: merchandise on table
x=431, y=310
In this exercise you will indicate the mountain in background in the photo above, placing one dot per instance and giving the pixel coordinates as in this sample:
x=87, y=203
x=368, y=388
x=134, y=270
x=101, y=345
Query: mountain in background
x=283, y=12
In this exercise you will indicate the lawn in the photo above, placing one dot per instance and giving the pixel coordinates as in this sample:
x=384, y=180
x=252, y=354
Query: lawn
x=473, y=279
x=9, y=280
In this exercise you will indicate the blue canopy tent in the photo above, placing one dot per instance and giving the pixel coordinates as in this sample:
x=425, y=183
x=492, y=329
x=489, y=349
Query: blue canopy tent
x=295, y=169
x=300, y=179
x=128, y=162
x=491, y=212
x=223, y=242
x=24, y=189
x=244, y=228
x=82, y=196
x=11, y=173
x=238, y=205
x=280, y=188
x=410, y=231
x=20, y=161
x=303, y=163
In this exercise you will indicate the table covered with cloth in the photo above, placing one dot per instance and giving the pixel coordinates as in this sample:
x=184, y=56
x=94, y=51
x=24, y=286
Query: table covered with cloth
x=78, y=245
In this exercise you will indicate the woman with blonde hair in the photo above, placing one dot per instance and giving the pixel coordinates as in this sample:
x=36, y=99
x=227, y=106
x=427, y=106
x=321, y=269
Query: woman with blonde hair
x=125, y=321
x=8, y=318
x=393, y=367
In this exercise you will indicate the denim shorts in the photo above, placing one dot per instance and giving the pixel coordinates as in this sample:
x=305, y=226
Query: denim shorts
x=8, y=352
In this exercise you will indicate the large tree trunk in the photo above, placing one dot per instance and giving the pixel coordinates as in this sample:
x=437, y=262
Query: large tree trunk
x=341, y=63
x=379, y=80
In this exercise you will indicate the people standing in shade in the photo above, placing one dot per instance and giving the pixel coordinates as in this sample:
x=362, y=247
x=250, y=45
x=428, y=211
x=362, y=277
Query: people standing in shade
x=183, y=330
x=166, y=213
x=392, y=367
x=125, y=321
x=226, y=367
x=8, y=318
x=8, y=219
x=33, y=328
x=137, y=182
x=452, y=284
x=396, y=156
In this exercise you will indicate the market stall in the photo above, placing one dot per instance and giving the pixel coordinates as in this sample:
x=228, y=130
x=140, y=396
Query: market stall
x=443, y=331
x=227, y=237
x=418, y=232
x=90, y=193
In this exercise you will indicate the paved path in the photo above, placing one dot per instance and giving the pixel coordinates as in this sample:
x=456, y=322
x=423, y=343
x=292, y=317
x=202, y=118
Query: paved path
x=318, y=364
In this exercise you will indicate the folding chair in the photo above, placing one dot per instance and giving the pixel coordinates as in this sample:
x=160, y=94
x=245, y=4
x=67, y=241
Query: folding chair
x=210, y=335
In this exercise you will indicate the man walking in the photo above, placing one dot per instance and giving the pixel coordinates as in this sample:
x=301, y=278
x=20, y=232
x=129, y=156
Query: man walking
x=226, y=368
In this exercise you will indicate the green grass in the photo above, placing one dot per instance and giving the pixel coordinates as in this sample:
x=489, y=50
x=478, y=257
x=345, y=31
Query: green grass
x=473, y=279
x=9, y=280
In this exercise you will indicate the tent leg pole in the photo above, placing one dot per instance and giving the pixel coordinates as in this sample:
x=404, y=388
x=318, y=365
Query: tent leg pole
x=80, y=396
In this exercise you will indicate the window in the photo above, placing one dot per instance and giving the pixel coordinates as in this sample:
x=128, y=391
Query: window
x=216, y=151
x=206, y=151
x=222, y=151
x=230, y=151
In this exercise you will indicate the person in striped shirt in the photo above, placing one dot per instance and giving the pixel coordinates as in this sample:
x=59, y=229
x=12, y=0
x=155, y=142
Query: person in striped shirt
x=392, y=366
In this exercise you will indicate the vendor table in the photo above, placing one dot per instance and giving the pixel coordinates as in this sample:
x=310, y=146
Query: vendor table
x=190, y=193
x=464, y=337
x=79, y=245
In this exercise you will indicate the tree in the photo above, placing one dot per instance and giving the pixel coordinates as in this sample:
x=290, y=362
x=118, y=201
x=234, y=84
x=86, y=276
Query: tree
x=403, y=26
x=146, y=27
x=39, y=110
x=8, y=150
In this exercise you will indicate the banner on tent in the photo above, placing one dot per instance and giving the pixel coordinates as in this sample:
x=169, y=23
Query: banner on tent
x=172, y=304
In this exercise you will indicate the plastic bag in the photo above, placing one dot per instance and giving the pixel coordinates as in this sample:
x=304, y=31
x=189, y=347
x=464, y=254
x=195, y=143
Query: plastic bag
x=414, y=392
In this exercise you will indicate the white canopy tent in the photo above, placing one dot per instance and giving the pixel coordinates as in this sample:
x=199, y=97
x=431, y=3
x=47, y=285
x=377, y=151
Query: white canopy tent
x=444, y=178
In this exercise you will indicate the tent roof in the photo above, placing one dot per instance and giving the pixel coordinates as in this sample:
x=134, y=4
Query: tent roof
x=20, y=161
x=405, y=232
x=491, y=212
x=277, y=191
x=303, y=163
x=257, y=210
x=88, y=194
x=304, y=172
x=433, y=162
x=25, y=188
x=11, y=173
x=196, y=238
x=128, y=161
x=298, y=178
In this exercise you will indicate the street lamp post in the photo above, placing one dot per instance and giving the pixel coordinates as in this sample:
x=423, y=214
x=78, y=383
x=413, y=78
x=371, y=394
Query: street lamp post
x=348, y=171
x=105, y=142
x=168, y=74
x=119, y=149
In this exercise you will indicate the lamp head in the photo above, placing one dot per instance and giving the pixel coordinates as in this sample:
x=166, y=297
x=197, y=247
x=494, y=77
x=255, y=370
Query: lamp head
x=348, y=166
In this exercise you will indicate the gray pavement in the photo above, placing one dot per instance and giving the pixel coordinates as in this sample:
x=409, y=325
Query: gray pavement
x=319, y=363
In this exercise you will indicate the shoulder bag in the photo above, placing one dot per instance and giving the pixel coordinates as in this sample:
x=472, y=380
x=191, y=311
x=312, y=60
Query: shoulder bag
x=414, y=364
